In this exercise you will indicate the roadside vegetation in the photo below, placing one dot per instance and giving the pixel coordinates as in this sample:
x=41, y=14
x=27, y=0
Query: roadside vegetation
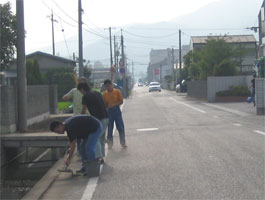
x=216, y=58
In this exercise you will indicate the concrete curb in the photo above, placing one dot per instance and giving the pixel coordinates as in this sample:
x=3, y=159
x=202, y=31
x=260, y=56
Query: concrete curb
x=45, y=182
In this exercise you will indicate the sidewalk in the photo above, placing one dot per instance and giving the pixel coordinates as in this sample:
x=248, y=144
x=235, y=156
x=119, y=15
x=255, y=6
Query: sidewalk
x=60, y=185
x=240, y=108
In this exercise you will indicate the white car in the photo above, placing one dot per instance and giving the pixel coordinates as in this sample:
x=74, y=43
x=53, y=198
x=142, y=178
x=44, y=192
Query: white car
x=154, y=86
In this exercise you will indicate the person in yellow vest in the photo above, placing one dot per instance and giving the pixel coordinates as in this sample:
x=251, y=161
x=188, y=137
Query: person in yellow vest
x=113, y=99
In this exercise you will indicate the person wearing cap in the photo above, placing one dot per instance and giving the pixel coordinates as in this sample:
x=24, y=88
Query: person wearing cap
x=84, y=127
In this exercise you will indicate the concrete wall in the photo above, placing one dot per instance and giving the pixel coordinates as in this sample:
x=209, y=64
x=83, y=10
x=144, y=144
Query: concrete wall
x=216, y=84
x=38, y=105
x=8, y=114
x=260, y=96
x=197, y=89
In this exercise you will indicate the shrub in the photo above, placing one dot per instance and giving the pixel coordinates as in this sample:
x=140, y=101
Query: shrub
x=238, y=90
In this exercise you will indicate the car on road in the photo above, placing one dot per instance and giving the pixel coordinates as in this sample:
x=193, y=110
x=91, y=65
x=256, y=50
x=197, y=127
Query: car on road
x=140, y=84
x=154, y=86
x=182, y=87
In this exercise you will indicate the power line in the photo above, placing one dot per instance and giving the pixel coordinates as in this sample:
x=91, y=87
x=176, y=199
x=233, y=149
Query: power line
x=164, y=36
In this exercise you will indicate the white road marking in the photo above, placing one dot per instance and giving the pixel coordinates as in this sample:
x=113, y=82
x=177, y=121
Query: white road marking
x=202, y=111
x=259, y=132
x=92, y=183
x=237, y=124
x=39, y=157
x=215, y=116
x=148, y=129
x=226, y=109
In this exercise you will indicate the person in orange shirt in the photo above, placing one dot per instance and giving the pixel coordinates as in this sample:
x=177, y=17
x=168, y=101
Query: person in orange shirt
x=113, y=99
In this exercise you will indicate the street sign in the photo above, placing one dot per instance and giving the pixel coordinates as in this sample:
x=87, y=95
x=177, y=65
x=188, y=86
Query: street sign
x=156, y=71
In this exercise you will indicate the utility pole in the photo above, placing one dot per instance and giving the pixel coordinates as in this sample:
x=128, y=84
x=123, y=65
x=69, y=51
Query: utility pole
x=115, y=53
x=160, y=73
x=180, y=60
x=80, y=38
x=124, y=66
x=21, y=72
x=133, y=72
x=111, y=60
x=53, y=45
x=174, y=74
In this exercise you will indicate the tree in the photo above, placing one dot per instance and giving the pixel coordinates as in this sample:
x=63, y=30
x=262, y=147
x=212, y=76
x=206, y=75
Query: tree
x=62, y=77
x=34, y=76
x=8, y=35
x=214, y=59
x=225, y=68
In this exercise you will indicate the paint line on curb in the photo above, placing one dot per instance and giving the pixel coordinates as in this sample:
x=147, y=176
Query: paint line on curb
x=259, y=132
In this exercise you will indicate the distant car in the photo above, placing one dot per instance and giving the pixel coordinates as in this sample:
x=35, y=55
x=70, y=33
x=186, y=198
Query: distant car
x=140, y=84
x=154, y=86
x=182, y=87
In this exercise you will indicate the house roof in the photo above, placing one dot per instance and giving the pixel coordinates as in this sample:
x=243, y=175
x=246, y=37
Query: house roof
x=228, y=39
x=39, y=53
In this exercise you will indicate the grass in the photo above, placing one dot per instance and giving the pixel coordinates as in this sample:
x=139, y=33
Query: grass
x=64, y=105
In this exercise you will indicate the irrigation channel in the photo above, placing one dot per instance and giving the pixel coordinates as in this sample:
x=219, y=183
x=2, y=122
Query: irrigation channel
x=20, y=174
x=26, y=166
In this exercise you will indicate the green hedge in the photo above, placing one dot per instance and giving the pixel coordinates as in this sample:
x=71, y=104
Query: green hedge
x=64, y=105
x=238, y=90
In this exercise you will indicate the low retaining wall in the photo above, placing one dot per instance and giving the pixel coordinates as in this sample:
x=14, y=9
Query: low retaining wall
x=231, y=99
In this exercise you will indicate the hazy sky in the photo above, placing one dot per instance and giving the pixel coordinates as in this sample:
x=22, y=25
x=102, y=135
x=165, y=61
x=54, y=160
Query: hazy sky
x=98, y=14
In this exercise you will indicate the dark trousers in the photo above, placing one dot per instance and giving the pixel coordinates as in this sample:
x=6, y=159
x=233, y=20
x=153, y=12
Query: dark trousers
x=116, y=116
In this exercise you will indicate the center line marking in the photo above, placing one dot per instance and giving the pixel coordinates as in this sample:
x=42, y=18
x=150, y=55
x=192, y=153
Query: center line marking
x=148, y=129
x=259, y=132
x=237, y=124
x=202, y=111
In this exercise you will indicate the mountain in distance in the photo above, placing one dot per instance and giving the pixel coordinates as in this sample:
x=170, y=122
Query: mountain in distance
x=218, y=18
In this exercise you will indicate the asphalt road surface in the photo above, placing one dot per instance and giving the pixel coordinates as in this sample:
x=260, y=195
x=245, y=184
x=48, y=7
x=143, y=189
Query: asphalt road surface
x=184, y=149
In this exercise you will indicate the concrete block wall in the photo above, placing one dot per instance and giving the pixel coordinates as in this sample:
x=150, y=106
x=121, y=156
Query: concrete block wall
x=8, y=114
x=53, y=98
x=197, y=89
x=38, y=105
x=216, y=84
x=260, y=96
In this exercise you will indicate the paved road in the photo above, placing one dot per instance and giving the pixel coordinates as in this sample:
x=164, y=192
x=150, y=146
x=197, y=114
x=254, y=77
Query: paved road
x=184, y=149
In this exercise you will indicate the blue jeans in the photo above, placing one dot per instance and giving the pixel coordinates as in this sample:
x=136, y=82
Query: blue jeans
x=253, y=95
x=100, y=149
x=88, y=146
x=115, y=116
